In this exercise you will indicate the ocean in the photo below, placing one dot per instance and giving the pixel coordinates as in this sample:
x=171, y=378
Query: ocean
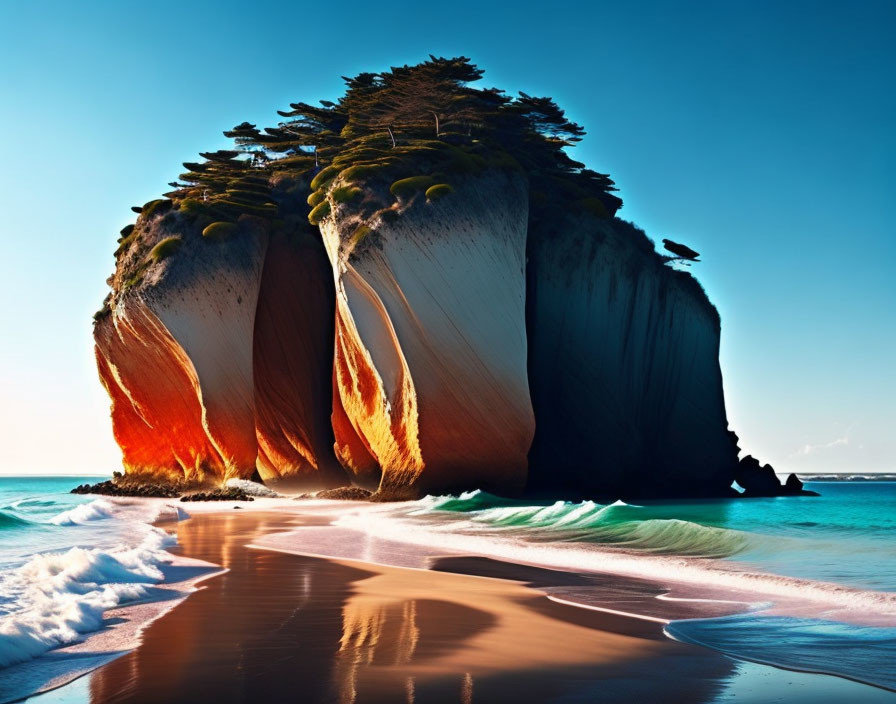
x=812, y=579
x=810, y=582
x=65, y=560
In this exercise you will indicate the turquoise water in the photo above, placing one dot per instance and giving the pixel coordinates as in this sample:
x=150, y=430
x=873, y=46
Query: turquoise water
x=816, y=575
x=846, y=536
x=65, y=560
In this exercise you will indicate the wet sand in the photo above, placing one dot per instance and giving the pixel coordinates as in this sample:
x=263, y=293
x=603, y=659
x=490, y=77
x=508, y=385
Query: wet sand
x=279, y=627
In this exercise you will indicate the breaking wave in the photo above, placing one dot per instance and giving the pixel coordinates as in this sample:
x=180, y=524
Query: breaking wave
x=618, y=524
x=56, y=598
x=93, y=511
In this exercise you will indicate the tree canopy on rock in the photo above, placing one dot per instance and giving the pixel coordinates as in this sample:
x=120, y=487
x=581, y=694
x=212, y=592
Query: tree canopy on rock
x=398, y=123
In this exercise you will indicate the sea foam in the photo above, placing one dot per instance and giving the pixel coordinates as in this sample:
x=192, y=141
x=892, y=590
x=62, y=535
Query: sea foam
x=56, y=598
x=93, y=511
x=589, y=537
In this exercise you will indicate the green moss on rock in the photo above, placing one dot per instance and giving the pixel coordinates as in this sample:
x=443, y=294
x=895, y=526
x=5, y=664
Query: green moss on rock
x=407, y=187
x=126, y=242
x=319, y=212
x=219, y=230
x=440, y=190
x=156, y=207
x=358, y=172
x=317, y=197
x=324, y=175
x=165, y=248
x=345, y=194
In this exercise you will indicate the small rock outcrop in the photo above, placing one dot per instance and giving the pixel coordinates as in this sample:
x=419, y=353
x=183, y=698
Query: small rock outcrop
x=761, y=480
x=145, y=487
x=345, y=493
x=226, y=493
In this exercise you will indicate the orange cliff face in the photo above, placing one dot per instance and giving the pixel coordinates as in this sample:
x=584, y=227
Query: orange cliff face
x=199, y=392
x=156, y=409
x=430, y=365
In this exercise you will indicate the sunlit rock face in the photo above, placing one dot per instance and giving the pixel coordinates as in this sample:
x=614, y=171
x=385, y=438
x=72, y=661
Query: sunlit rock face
x=430, y=364
x=218, y=355
x=181, y=330
x=624, y=368
x=292, y=362
x=156, y=408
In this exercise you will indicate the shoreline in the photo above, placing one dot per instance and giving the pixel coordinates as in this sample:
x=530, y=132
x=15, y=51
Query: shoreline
x=491, y=607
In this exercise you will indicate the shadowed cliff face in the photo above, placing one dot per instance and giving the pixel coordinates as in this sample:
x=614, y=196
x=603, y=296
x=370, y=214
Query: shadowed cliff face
x=201, y=387
x=292, y=358
x=430, y=365
x=624, y=368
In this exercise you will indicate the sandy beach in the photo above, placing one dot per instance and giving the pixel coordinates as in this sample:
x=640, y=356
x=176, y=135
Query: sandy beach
x=275, y=626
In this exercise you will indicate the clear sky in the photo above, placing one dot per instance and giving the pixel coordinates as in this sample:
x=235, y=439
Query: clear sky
x=760, y=132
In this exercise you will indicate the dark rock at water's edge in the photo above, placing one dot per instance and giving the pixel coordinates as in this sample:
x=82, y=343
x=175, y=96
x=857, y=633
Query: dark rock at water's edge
x=345, y=493
x=761, y=480
x=794, y=487
x=228, y=493
x=133, y=487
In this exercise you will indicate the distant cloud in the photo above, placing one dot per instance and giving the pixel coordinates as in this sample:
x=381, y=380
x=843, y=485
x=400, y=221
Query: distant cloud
x=810, y=449
x=806, y=450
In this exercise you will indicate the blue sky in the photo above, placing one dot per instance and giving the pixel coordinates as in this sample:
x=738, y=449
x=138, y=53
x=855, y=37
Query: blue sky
x=760, y=133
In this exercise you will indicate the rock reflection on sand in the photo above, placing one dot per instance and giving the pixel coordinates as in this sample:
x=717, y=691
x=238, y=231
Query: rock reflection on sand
x=403, y=628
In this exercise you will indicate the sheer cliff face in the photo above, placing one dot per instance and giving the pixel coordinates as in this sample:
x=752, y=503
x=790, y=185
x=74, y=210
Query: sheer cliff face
x=228, y=355
x=624, y=368
x=293, y=358
x=430, y=367
x=176, y=354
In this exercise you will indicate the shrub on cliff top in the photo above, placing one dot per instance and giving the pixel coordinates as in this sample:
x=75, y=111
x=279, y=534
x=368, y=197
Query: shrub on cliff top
x=428, y=118
x=407, y=187
x=165, y=248
x=345, y=194
x=219, y=230
x=360, y=234
x=317, y=197
x=440, y=190
x=323, y=176
x=319, y=212
x=155, y=207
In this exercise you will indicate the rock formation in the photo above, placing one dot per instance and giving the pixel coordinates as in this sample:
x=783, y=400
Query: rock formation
x=199, y=391
x=431, y=346
x=400, y=290
x=292, y=362
x=624, y=367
